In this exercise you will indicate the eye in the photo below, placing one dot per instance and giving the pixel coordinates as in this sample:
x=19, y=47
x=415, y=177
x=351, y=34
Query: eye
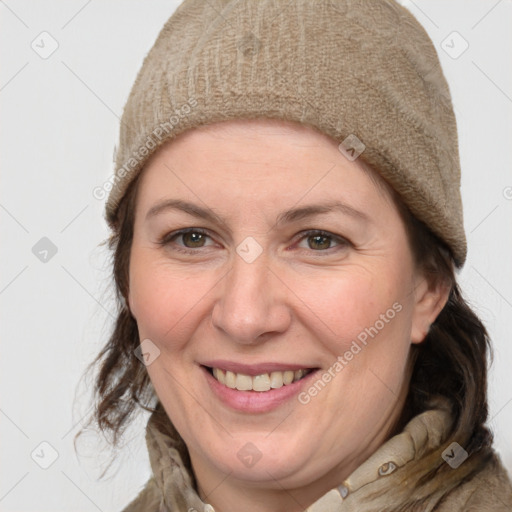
x=192, y=238
x=320, y=241
x=195, y=238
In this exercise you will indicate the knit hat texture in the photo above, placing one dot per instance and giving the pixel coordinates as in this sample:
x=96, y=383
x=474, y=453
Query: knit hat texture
x=365, y=73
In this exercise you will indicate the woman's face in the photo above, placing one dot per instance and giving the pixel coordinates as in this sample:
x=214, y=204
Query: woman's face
x=295, y=267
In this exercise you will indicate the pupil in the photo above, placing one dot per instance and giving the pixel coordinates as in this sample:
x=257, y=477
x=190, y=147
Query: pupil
x=195, y=237
x=316, y=239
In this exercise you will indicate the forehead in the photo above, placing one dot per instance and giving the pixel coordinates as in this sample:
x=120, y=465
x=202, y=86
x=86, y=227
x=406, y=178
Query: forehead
x=264, y=160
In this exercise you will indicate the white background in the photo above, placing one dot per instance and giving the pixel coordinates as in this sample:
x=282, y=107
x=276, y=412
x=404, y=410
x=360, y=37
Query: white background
x=59, y=126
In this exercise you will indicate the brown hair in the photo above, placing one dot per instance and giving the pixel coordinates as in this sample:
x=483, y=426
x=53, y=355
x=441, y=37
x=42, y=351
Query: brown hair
x=451, y=361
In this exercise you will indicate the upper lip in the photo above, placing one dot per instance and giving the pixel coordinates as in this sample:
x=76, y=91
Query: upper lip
x=254, y=369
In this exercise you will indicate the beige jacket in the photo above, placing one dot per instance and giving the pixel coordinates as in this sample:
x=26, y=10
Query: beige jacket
x=386, y=482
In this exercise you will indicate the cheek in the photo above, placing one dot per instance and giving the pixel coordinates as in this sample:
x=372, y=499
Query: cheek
x=365, y=325
x=164, y=300
x=352, y=304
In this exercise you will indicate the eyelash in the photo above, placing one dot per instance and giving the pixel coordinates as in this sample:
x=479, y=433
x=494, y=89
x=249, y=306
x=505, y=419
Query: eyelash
x=170, y=237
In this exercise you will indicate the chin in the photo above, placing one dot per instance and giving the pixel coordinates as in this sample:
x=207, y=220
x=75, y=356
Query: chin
x=264, y=461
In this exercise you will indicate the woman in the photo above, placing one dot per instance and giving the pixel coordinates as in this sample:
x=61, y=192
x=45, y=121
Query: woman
x=286, y=225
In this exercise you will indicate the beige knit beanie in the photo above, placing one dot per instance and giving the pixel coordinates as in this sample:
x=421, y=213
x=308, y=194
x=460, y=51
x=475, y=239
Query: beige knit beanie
x=364, y=72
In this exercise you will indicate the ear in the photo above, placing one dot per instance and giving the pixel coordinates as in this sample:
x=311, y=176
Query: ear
x=431, y=296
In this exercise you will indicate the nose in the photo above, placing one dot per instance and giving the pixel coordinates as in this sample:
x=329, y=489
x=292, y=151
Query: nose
x=252, y=303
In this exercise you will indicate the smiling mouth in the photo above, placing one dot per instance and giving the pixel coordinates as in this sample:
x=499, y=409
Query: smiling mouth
x=263, y=382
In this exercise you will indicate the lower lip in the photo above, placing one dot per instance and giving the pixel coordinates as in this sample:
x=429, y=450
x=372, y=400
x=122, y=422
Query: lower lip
x=256, y=401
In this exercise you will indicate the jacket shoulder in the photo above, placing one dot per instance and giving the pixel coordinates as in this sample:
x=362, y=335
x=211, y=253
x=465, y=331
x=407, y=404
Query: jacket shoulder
x=490, y=489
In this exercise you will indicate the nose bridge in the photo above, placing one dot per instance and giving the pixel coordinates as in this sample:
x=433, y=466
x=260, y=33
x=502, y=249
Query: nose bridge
x=249, y=304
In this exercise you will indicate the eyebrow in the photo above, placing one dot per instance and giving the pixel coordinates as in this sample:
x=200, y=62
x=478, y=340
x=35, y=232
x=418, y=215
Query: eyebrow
x=187, y=207
x=305, y=212
x=289, y=216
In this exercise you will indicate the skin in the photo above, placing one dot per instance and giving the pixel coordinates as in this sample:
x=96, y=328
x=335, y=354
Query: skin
x=302, y=300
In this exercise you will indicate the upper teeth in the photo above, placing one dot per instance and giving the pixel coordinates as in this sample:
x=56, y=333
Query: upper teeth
x=263, y=382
